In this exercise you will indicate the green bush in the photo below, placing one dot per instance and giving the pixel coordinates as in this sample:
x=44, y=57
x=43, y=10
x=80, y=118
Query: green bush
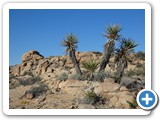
x=91, y=67
x=67, y=67
x=63, y=77
x=130, y=73
x=92, y=98
x=137, y=72
x=77, y=77
x=140, y=55
x=132, y=105
x=30, y=73
x=14, y=84
x=100, y=76
x=140, y=72
x=30, y=81
x=117, y=79
x=12, y=76
x=140, y=65
x=39, y=90
x=27, y=73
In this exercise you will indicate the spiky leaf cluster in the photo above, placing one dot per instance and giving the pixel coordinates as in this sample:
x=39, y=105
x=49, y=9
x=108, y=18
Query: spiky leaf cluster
x=70, y=42
x=112, y=32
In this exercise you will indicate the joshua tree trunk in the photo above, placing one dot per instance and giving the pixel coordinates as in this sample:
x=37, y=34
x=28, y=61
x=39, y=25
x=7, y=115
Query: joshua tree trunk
x=75, y=62
x=109, y=48
x=120, y=69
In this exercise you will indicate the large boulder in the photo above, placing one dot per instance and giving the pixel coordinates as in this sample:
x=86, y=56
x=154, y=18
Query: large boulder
x=42, y=67
x=117, y=99
x=31, y=55
x=106, y=89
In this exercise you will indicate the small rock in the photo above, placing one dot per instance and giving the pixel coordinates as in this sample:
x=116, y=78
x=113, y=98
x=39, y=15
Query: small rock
x=29, y=96
x=41, y=99
x=123, y=88
x=73, y=107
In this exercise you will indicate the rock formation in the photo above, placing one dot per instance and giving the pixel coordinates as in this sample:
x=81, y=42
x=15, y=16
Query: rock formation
x=31, y=55
x=36, y=71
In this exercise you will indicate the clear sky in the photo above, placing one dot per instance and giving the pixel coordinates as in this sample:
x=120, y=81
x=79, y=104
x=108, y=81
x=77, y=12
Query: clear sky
x=43, y=30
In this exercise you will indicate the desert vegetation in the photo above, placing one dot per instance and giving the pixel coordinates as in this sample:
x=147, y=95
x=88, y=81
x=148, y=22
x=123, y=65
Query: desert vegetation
x=71, y=44
x=112, y=33
x=82, y=80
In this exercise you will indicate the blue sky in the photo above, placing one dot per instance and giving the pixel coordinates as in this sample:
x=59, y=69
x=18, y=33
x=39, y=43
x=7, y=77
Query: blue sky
x=43, y=30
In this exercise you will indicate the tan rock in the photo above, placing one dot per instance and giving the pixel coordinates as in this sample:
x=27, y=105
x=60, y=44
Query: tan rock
x=113, y=101
x=29, y=96
x=15, y=70
x=55, y=59
x=26, y=67
x=123, y=88
x=42, y=67
x=73, y=71
x=73, y=87
x=70, y=91
x=50, y=70
x=31, y=55
x=58, y=71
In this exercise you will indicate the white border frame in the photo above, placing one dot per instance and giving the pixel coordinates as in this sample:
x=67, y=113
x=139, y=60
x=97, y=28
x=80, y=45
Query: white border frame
x=8, y=6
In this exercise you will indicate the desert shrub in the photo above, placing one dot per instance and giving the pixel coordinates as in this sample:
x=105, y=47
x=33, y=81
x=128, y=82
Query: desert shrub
x=30, y=73
x=30, y=81
x=27, y=73
x=100, y=76
x=67, y=67
x=132, y=105
x=39, y=90
x=92, y=98
x=140, y=72
x=11, y=76
x=24, y=102
x=14, y=84
x=91, y=67
x=63, y=77
x=140, y=55
x=137, y=72
x=77, y=77
x=140, y=65
x=117, y=79
x=130, y=73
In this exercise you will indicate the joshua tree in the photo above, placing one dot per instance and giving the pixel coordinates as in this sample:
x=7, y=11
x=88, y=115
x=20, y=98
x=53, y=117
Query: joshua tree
x=70, y=42
x=112, y=34
x=122, y=57
x=91, y=67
